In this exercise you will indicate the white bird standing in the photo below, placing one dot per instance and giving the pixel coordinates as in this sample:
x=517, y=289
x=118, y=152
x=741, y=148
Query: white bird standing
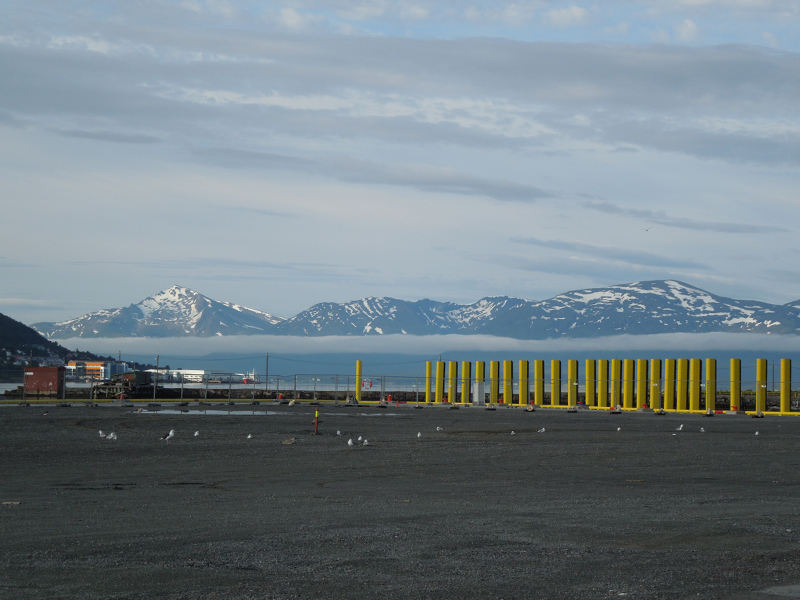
x=359, y=438
x=102, y=435
x=512, y=432
x=168, y=436
x=249, y=436
x=541, y=430
x=338, y=432
x=619, y=428
x=756, y=433
x=419, y=435
x=350, y=442
x=366, y=442
x=439, y=429
x=196, y=433
x=680, y=428
x=111, y=436
x=702, y=430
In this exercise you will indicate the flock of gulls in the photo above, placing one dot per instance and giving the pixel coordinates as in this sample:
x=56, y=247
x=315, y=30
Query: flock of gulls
x=361, y=441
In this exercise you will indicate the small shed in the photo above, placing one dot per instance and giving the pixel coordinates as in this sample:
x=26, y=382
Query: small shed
x=45, y=381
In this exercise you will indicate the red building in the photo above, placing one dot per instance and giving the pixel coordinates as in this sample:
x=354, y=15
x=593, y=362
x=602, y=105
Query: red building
x=45, y=381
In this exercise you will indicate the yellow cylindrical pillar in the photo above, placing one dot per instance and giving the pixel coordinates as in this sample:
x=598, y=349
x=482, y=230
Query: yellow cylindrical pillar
x=616, y=382
x=358, y=381
x=538, y=382
x=555, y=382
x=695, y=379
x=524, y=383
x=428, y=374
x=508, y=382
x=452, y=380
x=602, y=383
x=669, y=384
x=627, y=386
x=655, y=384
x=466, y=376
x=761, y=384
x=480, y=375
x=572, y=382
x=591, y=382
x=641, y=383
x=711, y=384
x=494, y=381
x=682, y=384
x=736, y=384
x=439, y=381
x=786, y=384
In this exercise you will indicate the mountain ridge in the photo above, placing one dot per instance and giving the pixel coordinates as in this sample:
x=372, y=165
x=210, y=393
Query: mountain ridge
x=638, y=308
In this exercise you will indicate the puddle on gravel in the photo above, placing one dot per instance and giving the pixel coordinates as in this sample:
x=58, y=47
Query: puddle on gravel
x=254, y=413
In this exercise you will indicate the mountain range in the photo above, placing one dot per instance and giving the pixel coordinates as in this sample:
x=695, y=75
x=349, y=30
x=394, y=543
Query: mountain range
x=639, y=308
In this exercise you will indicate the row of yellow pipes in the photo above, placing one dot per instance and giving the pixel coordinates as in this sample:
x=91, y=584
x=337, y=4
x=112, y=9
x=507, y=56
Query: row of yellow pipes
x=607, y=382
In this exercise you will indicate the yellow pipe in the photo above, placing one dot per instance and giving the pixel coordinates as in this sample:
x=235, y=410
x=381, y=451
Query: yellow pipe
x=786, y=384
x=682, y=381
x=508, y=382
x=669, y=384
x=616, y=381
x=602, y=383
x=452, y=380
x=538, y=382
x=494, y=381
x=695, y=379
x=439, y=381
x=572, y=382
x=591, y=382
x=524, y=383
x=761, y=384
x=655, y=384
x=642, y=382
x=736, y=384
x=466, y=375
x=555, y=382
x=480, y=371
x=358, y=381
x=627, y=386
x=711, y=384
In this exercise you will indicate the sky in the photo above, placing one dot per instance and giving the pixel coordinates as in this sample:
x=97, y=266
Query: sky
x=277, y=155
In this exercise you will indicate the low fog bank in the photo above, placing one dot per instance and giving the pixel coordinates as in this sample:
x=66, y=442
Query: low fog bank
x=405, y=354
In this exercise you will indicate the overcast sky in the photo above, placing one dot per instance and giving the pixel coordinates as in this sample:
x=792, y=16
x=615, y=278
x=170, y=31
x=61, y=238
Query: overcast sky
x=281, y=154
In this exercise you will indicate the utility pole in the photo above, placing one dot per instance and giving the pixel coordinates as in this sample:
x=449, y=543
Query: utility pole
x=266, y=378
x=155, y=380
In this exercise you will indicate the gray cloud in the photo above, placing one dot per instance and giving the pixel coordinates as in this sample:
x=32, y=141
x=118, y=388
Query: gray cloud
x=644, y=259
x=108, y=136
x=426, y=178
x=660, y=218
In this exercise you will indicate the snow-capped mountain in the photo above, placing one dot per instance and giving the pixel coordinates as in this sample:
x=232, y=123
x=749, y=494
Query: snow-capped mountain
x=175, y=312
x=635, y=308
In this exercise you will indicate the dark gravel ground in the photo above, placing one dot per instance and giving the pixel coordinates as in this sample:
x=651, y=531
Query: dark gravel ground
x=579, y=511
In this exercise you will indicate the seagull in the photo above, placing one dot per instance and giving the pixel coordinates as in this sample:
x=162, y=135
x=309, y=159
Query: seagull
x=619, y=428
x=102, y=435
x=338, y=432
x=291, y=402
x=249, y=436
x=439, y=429
x=168, y=436
x=756, y=433
x=196, y=433
x=111, y=436
x=512, y=432
x=366, y=443
x=350, y=442
x=541, y=430
x=45, y=413
x=702, y=430
x=419, y=435
x=674, y=434
x=649, y=228
x=680, y=428
x=359, y=438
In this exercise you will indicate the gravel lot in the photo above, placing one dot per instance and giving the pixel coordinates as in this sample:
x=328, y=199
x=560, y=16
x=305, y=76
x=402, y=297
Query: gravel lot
x=581, y=510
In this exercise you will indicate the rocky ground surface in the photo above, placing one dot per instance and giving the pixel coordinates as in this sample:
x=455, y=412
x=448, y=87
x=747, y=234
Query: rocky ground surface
x=580, y=510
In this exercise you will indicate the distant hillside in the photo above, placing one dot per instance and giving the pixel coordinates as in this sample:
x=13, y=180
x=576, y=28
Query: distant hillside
x=16, y=336
x=639, y=308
